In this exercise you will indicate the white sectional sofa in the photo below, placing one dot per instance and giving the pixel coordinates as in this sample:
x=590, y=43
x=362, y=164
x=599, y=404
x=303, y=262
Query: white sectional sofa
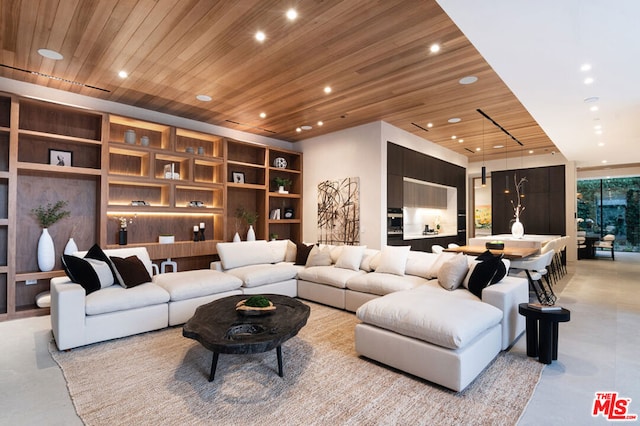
x=410, y=317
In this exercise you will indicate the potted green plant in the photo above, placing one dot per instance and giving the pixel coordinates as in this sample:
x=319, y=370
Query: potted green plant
x=282, y=183
x=47, y=216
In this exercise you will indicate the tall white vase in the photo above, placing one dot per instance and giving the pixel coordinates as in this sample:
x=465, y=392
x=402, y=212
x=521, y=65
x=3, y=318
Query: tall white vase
x=251, y=234
x=46, y=251
x=71, y=247
x=517, y=229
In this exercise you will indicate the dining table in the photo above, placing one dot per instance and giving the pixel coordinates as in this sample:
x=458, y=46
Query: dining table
x=507, y=252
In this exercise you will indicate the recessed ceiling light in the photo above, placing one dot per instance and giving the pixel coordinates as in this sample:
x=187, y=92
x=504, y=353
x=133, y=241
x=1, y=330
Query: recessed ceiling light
x=589, y=80
x=478, y=149
x=429, y=125
x=604, y=161
x=600, y=143
x=306, y=127
x=298, y=129
x=460, y=140
x=468, y=80
x=435, y=48
x=123, y=74
x=203, y=98
x=50, y=54
x=530, y=151
x=292, y=14
x=454, y=137
x=598, y=126
x=454, y=120
x=263, y=115
x=585, y=67
x=260, y=36
x=498, y=146
x=591, y=99
x=594, y=108
x=320, y=123
x=327, y=89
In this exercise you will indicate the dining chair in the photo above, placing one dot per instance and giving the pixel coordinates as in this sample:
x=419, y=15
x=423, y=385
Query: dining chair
x=437, y=249
x=532, y=268
x=606, y=243
x=452, y=245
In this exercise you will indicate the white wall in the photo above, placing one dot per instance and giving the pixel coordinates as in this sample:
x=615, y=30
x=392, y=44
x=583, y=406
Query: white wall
x=355, y=152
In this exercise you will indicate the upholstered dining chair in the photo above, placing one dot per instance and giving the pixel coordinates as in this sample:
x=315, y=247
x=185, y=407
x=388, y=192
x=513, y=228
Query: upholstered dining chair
x=436, y=248
x=606, y=243
x=534, y=268
x=581, y=238
x=452, y=245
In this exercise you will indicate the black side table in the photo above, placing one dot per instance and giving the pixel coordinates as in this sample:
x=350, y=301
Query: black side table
x=542, y=331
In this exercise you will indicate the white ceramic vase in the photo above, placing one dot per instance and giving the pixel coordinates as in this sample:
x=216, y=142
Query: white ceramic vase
x=71, y=247
x=251, y=234
x=517, y=229
x=236, y=238
x=46, y=251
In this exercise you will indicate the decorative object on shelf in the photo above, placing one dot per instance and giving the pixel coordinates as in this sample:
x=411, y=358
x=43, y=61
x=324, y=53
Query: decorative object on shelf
x=71, y=247
x=196, y=203
x=60, y=158
x=170, y=171
x=517, y=228
x=189, y=150
x=282, y=183
x=139, y=203
x=280, y=163
x=122, y=231
x=275, y=214
x=130, y=136
x=236, y=238
x=201, y=150
x=166, y=239
x=201, y=227
x=196, y=233
x=288, y=212
x=238, y=177
x=273, y=237
x=495, y=245
x=144, y=141
x=250, y=218
x=47, y=216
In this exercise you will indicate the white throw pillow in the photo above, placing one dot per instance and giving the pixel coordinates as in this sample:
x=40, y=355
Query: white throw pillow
x=393, y=260
x=319, y=257
x=435, y=267
x=290, y=255
x=367, y=257
x=350, y=257
x=453, y=271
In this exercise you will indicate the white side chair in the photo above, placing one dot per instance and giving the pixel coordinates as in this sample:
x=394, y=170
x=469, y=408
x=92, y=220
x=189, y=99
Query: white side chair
x=606, y=243
x=534, y=268
x=437, y=249
x=452, y=245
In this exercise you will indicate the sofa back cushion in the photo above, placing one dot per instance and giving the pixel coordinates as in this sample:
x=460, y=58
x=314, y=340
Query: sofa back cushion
x=350, y=257
x=279, y=250
x=244, y=253
x=419, y=263
x=393, y=260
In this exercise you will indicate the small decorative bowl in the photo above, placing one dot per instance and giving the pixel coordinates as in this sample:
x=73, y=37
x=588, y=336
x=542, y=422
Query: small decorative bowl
x=495, y=245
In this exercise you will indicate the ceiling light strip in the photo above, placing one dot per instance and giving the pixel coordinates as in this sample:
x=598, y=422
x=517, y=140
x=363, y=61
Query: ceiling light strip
x=499, y=126
x=250, y=126
x=420, y=127
x=64, y=80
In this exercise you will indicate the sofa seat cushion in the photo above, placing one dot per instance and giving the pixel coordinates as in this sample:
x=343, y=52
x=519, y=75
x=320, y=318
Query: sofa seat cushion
x=329, y=275
x=382, y=283
x=117, y=298
x=191, y=284
x=256, y=275
x=451, y=319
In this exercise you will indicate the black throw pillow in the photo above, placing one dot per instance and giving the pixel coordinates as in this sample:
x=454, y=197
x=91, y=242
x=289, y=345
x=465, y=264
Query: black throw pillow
x=501, y=272
x=482, y=273
x=131, y=270
x=91, y=274
x=302, y=253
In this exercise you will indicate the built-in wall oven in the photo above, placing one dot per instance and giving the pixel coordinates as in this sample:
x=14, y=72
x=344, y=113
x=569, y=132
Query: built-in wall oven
x=394, y=221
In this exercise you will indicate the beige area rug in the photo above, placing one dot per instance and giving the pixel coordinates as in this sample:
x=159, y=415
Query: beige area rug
x=161, y=378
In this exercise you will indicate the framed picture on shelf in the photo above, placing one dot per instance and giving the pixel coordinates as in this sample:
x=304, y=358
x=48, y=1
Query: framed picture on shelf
x=238, y=177
x=60, y=158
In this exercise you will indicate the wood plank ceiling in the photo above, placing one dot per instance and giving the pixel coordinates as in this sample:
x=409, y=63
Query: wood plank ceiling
x=375, y=55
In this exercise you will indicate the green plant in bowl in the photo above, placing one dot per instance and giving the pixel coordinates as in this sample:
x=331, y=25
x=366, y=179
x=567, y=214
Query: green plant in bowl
x=258, y=302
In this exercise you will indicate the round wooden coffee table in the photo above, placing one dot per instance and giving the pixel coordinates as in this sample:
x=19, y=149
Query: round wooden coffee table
x=223, y=330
